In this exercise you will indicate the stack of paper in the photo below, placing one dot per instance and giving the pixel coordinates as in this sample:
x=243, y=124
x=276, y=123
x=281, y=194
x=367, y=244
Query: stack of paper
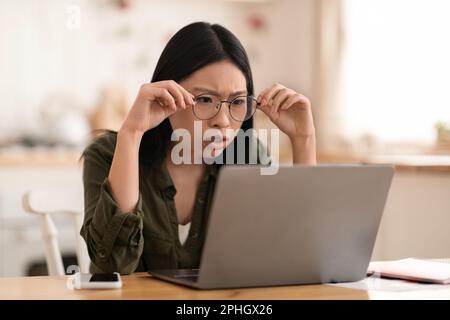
x=412, y=269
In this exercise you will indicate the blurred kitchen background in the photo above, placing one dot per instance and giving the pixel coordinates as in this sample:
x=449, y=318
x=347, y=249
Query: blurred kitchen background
x=377, y=73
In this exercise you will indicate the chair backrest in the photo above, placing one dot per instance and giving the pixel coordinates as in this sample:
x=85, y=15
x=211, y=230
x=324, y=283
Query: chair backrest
x=47, y=202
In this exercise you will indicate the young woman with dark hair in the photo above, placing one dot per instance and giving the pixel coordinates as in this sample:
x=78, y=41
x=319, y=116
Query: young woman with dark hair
x=142, y=210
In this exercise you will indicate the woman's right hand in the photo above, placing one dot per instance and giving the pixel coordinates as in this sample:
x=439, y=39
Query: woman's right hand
x=155, y=102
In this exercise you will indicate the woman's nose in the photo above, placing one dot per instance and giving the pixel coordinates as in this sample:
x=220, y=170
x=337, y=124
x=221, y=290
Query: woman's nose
x=222, y=119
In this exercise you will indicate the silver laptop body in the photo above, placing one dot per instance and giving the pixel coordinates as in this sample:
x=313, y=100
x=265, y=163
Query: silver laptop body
x=303, y=225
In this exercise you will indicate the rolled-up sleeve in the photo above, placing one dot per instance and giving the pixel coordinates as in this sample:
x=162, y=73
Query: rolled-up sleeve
x=113, y=238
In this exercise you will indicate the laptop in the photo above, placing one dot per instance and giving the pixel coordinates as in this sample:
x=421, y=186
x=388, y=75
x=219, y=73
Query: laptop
x=303, y=225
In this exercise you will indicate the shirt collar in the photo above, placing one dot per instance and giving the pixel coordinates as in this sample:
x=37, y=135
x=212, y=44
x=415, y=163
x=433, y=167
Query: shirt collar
x=164, y=181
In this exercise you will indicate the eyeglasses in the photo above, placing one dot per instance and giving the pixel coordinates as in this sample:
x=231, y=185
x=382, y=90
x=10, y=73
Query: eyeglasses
x=207, y=106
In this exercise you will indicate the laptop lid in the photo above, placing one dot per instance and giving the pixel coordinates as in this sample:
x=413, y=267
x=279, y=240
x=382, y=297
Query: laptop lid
x=305, y=224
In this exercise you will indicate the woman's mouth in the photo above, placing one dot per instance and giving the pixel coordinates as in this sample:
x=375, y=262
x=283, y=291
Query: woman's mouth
x=216, y=142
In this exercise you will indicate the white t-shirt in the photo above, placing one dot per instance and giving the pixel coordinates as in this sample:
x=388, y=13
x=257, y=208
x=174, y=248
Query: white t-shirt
x=183, y=232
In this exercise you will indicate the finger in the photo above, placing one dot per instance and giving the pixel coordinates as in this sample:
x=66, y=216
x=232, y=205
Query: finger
x=296, y=98
x=289, y=102
x=165, y=98
x=175, y=91
x=266, y=109
x=259, y=98
x=280, y=97
x=156, y=94
x=188, y=97
x=263, y=94
x=265, y=99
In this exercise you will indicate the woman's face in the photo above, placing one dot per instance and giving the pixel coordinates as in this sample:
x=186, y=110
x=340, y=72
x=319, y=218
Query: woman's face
x=224, y=80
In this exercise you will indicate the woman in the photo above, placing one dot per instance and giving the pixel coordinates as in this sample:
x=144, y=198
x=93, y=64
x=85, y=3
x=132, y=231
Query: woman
x=138, y=202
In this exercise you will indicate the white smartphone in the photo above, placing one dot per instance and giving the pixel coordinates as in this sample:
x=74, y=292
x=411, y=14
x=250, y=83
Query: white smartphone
x=97, y=281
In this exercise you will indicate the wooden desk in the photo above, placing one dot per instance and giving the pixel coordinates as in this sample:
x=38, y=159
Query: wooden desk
x=143, y=286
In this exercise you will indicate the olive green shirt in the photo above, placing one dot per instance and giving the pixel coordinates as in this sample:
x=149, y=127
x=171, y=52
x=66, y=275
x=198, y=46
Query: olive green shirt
x=146, y=238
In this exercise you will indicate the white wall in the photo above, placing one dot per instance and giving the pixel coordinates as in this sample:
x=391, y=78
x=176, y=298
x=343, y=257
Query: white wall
x=416, y=221
x=41, y=55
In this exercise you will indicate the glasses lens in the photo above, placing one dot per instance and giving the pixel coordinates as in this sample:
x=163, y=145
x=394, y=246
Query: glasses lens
x=206, y=107
x=243, y=108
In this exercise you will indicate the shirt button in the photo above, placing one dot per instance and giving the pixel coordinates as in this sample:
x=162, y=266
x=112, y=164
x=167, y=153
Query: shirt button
x=102, y=254
x=170, y=192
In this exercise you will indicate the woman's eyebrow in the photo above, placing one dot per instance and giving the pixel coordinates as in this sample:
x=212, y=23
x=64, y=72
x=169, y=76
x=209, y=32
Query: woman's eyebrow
x=210, y=91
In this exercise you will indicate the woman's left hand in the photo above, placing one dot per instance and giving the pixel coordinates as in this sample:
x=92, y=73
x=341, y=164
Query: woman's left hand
x=288, y=110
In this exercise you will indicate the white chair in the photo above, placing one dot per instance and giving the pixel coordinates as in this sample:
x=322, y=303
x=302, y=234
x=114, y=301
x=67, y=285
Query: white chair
x=46, y=202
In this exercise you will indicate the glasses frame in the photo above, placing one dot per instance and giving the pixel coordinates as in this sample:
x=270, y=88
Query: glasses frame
x=229, y=102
